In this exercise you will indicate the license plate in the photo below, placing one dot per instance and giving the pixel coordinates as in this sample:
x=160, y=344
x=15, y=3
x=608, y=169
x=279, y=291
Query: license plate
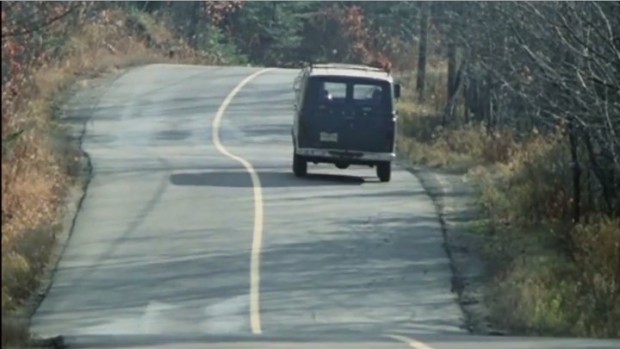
x=328, y=137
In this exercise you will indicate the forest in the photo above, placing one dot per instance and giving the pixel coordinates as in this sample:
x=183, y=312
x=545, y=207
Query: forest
x=524, y=97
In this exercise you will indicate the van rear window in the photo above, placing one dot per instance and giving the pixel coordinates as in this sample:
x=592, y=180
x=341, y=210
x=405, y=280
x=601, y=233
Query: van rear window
x=365, y=96
x=335, y=89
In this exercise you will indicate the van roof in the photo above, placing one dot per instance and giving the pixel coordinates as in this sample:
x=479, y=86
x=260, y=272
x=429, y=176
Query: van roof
x=350, y=70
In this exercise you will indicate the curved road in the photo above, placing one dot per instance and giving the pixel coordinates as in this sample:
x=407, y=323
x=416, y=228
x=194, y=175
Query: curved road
x=195, y=231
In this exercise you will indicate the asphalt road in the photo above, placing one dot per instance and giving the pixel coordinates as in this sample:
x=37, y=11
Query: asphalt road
x=195, y=231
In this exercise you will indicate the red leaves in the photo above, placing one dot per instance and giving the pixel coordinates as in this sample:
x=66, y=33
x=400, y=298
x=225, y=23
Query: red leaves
x=342, y=30
x=218, y=10
x=345, y=30
x=381, y=61
x=22, y=50
x=355, y=20
x=11, y=48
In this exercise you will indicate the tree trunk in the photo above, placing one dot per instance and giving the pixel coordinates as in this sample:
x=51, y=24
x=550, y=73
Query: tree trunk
x=473, y=98
x=466, y=111
x=193, y=29
x=421, y=77
x=488, y=104
x=451, y=69
x=576, y=168
x=606, y=182
x=451, y=105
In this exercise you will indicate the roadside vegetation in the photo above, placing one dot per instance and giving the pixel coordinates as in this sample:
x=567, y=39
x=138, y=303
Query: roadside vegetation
x=526, y=101
x=524, y=97
x=46, y=48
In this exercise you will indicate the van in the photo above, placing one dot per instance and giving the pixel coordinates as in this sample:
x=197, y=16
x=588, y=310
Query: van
x=344, y=115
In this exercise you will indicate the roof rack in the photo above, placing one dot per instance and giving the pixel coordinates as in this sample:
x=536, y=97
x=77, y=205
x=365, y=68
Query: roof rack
x=344, y=66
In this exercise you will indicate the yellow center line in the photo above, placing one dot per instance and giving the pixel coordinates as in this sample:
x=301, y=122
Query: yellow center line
x=257, y=237
x=414, y=344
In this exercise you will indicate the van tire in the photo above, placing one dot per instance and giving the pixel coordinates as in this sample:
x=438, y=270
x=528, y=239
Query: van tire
x=300, y=166
x=384, y=171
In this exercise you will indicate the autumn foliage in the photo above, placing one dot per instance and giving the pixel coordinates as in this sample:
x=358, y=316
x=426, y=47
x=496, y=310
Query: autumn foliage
x=23, y=52
x=45, y=47
x=528, y=91
x=218, y=11
x=344, y=36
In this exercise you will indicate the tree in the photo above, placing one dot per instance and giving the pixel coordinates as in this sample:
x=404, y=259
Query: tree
x=425, y=10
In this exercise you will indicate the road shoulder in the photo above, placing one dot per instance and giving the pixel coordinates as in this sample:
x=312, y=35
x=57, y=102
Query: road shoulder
x=454, y=200
x=74, y=110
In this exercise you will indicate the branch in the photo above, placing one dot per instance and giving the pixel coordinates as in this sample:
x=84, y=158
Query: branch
x=580, y=41
x=43, y=25
x=610, y=40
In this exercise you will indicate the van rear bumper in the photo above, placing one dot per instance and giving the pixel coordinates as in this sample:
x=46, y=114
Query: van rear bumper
x=339, y=155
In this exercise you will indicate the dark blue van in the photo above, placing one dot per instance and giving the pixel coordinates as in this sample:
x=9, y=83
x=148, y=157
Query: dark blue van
x=344, y=115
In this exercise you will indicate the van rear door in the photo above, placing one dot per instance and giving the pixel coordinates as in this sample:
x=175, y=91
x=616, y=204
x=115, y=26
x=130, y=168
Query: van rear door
x=350, y=114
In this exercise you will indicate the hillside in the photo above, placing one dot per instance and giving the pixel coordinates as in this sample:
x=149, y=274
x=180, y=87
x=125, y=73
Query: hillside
x=46, y=48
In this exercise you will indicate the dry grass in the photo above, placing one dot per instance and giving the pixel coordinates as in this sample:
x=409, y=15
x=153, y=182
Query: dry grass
x=15, y=334
x=525, y=189
x=540, y=288
x=36, y=170
x=425, y=141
